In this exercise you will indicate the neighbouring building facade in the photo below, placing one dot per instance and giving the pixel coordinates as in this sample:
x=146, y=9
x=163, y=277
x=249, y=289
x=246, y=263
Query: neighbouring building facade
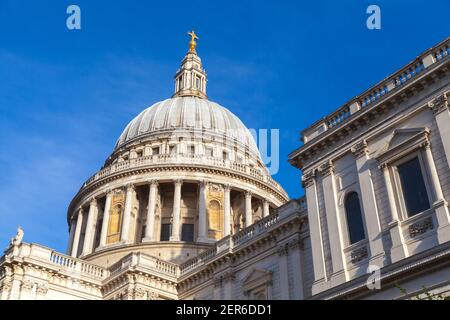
x=184, y=207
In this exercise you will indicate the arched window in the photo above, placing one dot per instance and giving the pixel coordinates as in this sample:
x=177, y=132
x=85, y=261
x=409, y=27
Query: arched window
x=354, y=218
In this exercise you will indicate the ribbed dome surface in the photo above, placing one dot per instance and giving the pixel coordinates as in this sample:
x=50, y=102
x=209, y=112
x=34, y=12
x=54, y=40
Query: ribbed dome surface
x=187, y=113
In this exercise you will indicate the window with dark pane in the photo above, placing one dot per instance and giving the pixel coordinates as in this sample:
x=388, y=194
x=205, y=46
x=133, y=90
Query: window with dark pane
x=413, y=187
x=187, y=232
x=354, y=218
x=166, y=229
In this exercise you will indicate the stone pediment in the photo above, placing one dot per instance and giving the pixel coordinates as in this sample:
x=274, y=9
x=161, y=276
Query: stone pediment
x=403, y=140
x=256, y=277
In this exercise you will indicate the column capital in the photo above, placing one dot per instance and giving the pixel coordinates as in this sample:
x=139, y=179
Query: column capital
x=326, y=168
x=383, y=166
x=129, y=187
x=93, y=201
x=426, y=144
x=248, y=193
x=360, y=149
x=226, y=187
x=283, y=250
x=178, y=181
x=153, y=182
x=109, y=192
x=296, y=244
x=439, y=104
x=80, y=210
x=308, y=178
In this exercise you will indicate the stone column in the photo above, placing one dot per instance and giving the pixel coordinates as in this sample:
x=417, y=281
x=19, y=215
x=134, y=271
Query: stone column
x=89, y=235
x=124, y=236
x=227, y=211
x=334, y=224
x=266, y=208
x=283, y=262
x=76, y=239
x=202, y=212
x=442, y=115
x=105, y=223
x=248, y=209
x=229, y=280
x=315, y=231
x=399, y=250
x=150, y=227
x=438, y=195
x=295, y=250
x=440, y=204
x=369, y=205
x=176, y=214
x=73, y=225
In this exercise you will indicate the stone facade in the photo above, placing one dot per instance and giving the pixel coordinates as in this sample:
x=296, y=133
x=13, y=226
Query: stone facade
x=184, y=208
x=361, y=149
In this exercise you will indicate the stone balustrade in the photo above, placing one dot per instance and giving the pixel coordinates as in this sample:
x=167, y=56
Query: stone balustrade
x=368, y=98
x=168, y=270
x=62, y=262
x=184, y=159
x=153, y=264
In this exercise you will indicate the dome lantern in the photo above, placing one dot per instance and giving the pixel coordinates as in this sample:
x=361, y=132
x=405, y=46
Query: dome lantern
x=190, y=79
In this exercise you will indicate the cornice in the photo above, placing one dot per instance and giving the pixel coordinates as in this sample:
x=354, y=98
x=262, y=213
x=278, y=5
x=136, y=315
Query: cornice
x=366, y=115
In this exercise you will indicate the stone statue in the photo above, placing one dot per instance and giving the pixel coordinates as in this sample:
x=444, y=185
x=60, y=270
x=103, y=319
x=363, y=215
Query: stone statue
x=17, y=238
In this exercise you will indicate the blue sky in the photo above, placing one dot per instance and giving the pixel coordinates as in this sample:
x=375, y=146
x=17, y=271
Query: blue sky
x=65, y=96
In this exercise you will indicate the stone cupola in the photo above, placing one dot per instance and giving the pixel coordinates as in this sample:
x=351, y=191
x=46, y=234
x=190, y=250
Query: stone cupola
x=190, y=79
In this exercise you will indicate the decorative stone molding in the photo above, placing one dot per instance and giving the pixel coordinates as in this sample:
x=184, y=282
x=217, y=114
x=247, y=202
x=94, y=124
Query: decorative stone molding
x=439, y=104
x=42, y=289
x=6, y=285
x=360, y=149
x=326, y=168
x=229, y=276
x=27, y=285
x=283, y=250
x=153, y=182
x=420, y=227
x=308, y=179
x=296, y=244
x=358, y=255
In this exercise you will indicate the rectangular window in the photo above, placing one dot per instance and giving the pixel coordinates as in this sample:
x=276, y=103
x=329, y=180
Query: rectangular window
x=209, y=152
x=413, y=187
x=197, y=83
x=187, y=232
x=191, y=150
x=172, y=149
x=155, y=150
x=224, y=155
x=166, y=230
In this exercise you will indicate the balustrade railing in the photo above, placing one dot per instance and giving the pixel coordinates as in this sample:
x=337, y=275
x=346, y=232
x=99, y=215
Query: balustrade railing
x=375, y=93
x=181, y=159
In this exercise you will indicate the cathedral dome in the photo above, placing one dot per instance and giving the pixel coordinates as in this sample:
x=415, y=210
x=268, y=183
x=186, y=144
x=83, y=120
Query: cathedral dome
x=187, y=113
x=183, y=174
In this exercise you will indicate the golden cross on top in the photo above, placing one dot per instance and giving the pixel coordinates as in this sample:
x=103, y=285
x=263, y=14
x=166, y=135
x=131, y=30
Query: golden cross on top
x=193, y=35
x=192, y=43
